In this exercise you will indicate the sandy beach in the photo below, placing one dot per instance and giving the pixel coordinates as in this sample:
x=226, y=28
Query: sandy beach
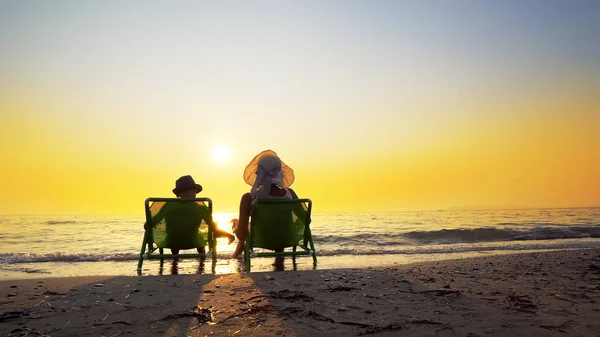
x=531, y=294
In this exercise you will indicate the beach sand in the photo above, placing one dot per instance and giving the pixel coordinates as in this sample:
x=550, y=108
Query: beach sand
x=530, y=294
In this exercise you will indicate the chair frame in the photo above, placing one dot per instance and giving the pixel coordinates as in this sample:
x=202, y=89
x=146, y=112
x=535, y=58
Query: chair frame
x=148, y=251
x=307, y=236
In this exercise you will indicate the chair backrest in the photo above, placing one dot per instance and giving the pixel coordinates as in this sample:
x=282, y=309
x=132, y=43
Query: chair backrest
x=280, y=223
x=178, y=223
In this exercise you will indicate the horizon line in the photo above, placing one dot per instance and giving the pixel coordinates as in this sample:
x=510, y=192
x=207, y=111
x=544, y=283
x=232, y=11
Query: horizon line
x=452, y=209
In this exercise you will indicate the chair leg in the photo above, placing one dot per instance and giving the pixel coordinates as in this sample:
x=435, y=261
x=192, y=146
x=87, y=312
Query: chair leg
x=312, y=248
x=213, y=252
x=141, y=260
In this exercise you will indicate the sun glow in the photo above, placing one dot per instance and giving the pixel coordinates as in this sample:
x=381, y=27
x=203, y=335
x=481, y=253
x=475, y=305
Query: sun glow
x=223, y=220
x=221, y=153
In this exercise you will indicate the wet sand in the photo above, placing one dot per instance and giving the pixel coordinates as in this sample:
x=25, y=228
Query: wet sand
x=530, y=294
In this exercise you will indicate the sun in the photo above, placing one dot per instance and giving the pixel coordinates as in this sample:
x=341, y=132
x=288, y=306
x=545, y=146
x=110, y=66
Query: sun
x=221, y=154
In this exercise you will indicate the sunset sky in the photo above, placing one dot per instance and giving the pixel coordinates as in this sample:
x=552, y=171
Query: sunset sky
x=376, y=105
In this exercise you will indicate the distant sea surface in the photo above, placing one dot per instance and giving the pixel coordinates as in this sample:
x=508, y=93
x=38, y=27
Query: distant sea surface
x=33, y=246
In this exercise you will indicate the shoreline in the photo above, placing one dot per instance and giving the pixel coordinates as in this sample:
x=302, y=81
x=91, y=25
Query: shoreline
x=228, y=265
x=524, y=294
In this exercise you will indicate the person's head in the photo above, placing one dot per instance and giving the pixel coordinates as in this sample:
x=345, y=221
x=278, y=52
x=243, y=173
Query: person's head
x=186, y=187
x=268, y=162
x=267, y=169
x=270, y=165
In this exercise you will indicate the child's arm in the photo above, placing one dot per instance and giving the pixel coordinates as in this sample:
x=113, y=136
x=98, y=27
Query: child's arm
x=156, y=219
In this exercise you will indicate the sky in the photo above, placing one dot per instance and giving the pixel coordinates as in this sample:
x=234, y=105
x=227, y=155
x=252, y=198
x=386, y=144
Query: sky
x=376, y=105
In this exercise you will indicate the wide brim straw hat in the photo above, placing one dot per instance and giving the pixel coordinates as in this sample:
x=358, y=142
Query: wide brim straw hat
x=250, y=171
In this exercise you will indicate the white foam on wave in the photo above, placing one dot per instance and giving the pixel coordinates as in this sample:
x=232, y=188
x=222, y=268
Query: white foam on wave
x=22, y=258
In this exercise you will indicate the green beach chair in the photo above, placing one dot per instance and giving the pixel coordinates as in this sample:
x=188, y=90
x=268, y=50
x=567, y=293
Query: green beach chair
x=177, y=223
x=277, y=224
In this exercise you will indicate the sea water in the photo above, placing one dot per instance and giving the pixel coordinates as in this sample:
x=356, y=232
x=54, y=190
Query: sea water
x=33, y=246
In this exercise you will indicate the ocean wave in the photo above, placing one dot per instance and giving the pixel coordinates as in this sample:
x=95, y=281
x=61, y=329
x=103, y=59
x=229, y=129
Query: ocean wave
x=13, y=258
x=446, y=236
x=463, y=235
x=65, y=222
x=20, y=258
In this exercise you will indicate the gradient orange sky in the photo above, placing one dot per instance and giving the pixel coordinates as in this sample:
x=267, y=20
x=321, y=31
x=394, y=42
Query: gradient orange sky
x=376, y=105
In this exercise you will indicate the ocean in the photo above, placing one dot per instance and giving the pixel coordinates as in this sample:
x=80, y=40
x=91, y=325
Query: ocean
x=34, y=246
